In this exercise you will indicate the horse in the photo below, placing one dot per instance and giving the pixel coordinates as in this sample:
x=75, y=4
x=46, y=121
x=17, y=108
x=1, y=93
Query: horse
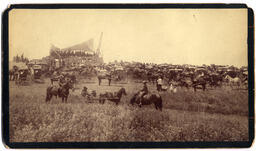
x=199, y=81
x=104, y=75
x=183, y=80
x=62, y=91
x=51, y=91
x=114, y=97
x=215, y=80
x=233, y=81
x=183, y=83
x=147, y=99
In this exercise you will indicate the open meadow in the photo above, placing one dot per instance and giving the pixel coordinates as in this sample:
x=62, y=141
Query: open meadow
x=219, y=114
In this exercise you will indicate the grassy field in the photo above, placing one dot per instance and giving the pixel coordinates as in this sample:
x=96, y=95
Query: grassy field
x=215, y=115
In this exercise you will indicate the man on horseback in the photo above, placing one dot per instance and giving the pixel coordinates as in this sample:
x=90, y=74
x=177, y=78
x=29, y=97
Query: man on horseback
x=143, y=92
x=143, y=97
x=62, y=80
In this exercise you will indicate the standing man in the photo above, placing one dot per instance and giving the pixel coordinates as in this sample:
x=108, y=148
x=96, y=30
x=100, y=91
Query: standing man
x=159, y=84
x=84, y=92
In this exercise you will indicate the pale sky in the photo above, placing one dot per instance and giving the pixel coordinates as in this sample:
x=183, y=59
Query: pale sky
x=177, y=36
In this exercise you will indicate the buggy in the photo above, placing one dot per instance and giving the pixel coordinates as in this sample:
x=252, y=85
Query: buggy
x=22, y=77
x=37, y=71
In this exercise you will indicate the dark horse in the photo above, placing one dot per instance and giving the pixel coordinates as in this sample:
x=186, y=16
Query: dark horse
x=114, y=97
x=215, y=80
x=148, y=99
x=199, y=81
x=104, y=75
x=62, y=91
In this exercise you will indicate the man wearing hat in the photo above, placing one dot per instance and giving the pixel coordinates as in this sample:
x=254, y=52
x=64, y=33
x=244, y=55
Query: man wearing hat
x=62, y=80
x=159, y=84
x=143, y=92
x=84, y=92
x=145, y=87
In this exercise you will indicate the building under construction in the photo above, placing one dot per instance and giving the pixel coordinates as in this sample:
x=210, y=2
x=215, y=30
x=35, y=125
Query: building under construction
x=78, y=55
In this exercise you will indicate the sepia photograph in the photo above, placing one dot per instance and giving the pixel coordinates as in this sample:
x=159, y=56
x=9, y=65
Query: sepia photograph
x=128, y=75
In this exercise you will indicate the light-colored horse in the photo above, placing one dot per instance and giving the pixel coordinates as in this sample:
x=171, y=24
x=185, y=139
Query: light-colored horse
x=233, y=81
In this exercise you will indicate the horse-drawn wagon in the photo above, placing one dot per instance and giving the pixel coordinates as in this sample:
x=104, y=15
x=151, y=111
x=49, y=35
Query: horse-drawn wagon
x=37, y=69
x=112, y=96
x=37, y=73
x=21, y=72
x=119, y=74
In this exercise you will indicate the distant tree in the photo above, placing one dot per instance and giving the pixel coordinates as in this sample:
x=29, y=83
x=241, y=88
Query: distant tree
x=26, y=60
x=21, y=58
x=14, y=58
x=17, y=58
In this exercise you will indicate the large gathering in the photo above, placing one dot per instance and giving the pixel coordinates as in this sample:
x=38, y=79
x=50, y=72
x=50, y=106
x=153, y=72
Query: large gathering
x=76, y=65
x=128, y=75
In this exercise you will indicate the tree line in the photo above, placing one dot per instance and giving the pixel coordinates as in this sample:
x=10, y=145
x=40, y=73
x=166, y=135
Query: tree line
x=20, y=58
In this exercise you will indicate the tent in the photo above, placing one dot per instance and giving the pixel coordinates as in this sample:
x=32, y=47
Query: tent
x=86, y=47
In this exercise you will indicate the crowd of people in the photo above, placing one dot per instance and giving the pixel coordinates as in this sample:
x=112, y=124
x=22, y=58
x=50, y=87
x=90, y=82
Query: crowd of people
x=182, y=75
x=159, y=74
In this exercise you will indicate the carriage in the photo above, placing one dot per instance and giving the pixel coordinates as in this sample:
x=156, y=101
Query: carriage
x=112, y=96
x=22, y=76
x=37, y=69
x=22, y=73
x=119, y=74
x=18, y=72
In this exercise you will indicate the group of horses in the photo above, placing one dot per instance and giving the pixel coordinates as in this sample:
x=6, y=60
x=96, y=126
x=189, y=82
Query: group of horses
x=63, y=93
x=201, y=81
x=193, y=80
x=190, y=77
x=150, y=98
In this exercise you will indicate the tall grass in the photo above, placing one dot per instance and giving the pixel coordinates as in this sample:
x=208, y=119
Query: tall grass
x=216, y=115
x=211, y=101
